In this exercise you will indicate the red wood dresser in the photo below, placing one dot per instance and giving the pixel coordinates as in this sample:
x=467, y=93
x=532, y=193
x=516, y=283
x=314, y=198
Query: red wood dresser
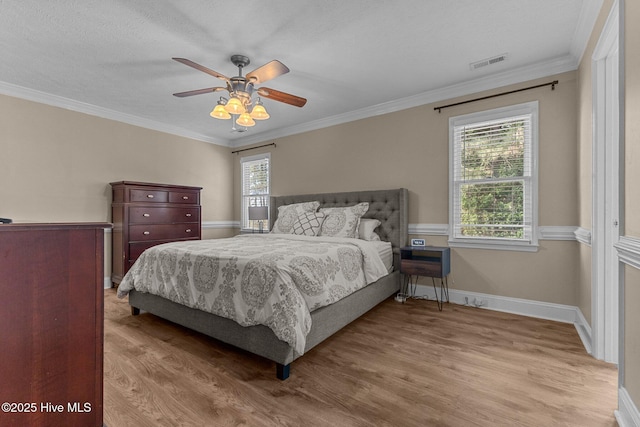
x=51, y=324
x=145, y=215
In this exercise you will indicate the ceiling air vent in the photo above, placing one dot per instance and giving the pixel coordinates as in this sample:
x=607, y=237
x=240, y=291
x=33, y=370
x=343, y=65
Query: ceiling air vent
x=488, y=61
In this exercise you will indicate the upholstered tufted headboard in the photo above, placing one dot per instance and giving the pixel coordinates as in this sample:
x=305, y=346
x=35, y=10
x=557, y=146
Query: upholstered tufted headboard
x=390, y=207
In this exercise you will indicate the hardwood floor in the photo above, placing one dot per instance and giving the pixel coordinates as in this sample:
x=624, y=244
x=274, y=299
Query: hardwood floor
x=399, y=365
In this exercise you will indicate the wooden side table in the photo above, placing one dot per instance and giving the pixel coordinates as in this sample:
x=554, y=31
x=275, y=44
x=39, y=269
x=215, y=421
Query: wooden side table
x=427, y=261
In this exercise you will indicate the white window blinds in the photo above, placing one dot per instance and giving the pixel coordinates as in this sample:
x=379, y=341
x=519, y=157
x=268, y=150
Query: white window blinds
x=255, y=187
x=493, y=180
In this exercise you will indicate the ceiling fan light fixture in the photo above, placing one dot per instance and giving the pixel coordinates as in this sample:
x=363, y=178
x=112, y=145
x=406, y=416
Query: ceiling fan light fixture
x=219, y=112
x=235, y=106
x=245, y=120
x=258, y=112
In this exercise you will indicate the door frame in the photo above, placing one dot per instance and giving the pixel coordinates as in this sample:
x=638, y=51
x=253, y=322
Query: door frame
x=607, y=198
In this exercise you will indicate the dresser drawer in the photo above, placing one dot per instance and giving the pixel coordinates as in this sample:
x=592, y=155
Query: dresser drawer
x=190, y=197
x=421, y=268
x=163, y=232
x=150, y=196
x=136, y=249
x=156, y=215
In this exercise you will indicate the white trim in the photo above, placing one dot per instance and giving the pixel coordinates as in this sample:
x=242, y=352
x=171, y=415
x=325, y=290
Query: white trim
x=583, y=235
x=495, y=81
x=497, y=245
x=545, y=232
x=629, y=251
x=217, y=225
x=540, y=309
x=587, y=19
x=519, y=75
x=107, y=282
x=429, y=229
x=557, y=232
x=105, y=113
x=584, y=330
x=605, y=310
x=627, y=414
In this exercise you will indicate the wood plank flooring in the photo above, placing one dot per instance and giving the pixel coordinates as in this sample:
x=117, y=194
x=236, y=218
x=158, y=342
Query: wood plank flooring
x=399, y=365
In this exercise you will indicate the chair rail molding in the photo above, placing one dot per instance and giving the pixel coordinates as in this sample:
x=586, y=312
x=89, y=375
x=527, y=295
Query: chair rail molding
x=629, y=250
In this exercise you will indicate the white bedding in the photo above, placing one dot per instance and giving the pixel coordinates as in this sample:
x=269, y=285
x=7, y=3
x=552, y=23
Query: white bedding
x=270, y=279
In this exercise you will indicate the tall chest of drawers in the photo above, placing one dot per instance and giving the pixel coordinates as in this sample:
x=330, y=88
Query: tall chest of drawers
x=145, y=214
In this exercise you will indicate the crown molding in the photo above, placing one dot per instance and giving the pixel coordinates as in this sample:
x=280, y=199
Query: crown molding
x=105, y=113
x=586, y=21
x=494, y=81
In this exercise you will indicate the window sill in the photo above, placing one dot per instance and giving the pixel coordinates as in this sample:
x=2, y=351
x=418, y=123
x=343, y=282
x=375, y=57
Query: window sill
x=500, y=246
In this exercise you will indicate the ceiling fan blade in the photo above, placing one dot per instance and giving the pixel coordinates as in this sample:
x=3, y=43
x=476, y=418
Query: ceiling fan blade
x=267, y=72
x=202, y=68
x=198, y=91
x=276, y=95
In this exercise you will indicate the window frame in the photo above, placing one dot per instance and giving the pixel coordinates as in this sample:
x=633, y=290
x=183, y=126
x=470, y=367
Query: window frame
x=531, y=196
x=244, y=220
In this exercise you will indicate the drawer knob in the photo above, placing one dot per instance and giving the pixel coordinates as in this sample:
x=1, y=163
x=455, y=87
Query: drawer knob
x=187, y=214
x=150, y=196
x=146, y=215
x=146, y=233
x=185, y=197
x=188, y=230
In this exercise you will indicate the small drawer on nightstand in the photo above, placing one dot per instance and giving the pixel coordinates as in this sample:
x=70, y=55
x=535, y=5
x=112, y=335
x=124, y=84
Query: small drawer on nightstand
x=421, y=268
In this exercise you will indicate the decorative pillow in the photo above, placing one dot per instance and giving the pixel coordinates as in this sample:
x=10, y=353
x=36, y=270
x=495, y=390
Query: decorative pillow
x=343, y=222
x=308, y=224
x=288, y=215
x=366, y=227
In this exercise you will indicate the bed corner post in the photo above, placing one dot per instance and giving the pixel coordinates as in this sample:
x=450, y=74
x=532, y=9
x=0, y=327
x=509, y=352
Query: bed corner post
x=282, y=371
x=135, y=311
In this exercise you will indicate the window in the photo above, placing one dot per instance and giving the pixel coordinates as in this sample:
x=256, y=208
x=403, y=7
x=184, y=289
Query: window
x=255, y=188
x=493, y=178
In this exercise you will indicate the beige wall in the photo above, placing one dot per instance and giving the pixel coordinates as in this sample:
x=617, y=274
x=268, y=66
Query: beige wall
x=56, y=165
x=631, y=380
x=410, y=149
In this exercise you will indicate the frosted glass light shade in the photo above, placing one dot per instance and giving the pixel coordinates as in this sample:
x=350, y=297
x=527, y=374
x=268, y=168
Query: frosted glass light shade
x=245, y=120
x=259, y=112
x=220, y=113
x=235, y=106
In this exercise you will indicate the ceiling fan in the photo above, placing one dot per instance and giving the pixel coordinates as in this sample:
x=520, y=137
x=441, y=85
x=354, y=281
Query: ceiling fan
x=241, y=88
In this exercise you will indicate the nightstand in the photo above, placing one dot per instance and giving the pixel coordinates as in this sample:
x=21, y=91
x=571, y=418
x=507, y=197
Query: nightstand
x=427, y=261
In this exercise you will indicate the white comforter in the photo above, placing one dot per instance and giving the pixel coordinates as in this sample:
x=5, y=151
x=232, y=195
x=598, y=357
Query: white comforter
x=270, y=279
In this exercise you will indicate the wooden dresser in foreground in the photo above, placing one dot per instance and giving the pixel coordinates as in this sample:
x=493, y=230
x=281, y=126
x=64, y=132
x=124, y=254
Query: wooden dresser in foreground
x=145, y=215
x=51, y=324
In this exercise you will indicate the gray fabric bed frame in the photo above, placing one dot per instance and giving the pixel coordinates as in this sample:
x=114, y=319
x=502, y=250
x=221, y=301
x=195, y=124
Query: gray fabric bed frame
x=388, y=206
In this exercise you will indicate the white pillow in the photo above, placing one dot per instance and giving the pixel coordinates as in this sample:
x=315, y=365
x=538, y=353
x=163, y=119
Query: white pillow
x=308, y=224
x=343, y=221
x=366, y=229
x=288, y=215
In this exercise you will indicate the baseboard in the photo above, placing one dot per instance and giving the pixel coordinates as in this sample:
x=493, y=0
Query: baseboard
x=627, y=414
x=543, y=310
x=107, y=282
x=584, y=330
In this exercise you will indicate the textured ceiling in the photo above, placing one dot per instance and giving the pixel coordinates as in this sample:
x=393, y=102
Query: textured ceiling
x=349, y=58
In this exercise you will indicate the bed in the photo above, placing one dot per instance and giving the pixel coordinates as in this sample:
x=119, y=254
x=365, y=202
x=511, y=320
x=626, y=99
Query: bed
x=389, y=207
